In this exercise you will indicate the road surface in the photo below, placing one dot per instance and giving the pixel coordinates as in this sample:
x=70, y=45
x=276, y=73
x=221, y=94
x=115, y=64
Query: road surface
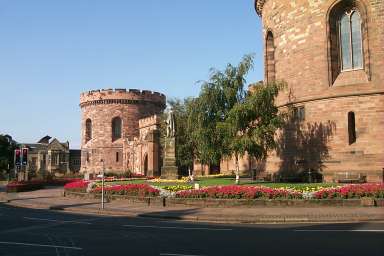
x=42, y=232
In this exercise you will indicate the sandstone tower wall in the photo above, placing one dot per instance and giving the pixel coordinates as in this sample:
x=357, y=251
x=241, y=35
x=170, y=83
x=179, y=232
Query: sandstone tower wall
x=100, y=108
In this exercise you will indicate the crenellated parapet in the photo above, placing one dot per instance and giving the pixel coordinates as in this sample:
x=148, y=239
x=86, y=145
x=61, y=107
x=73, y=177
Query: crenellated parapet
x=121, y=96
x=259, y=4
x=149, y=121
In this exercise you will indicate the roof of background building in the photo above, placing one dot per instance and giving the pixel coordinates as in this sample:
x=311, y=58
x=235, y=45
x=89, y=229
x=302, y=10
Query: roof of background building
x=45, y=139
x=44, y=143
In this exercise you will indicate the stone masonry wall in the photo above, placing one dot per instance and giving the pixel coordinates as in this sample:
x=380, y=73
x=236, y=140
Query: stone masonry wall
x=301, y=34
x=101, y=107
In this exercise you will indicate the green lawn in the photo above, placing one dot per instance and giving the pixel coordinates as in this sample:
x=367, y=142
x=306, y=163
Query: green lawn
x=206, y=182
x=125, y=182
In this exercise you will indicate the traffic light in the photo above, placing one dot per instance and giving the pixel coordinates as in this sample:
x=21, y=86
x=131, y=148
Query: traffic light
x=25, y=156
x=17, y=157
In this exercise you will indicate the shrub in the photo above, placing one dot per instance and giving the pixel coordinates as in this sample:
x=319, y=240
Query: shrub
x=240, y=192
x=375, y=190
x=141, y=190
x=127, y=174
x=61, y=181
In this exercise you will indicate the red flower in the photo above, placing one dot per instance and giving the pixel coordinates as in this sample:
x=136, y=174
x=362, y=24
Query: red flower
x=239, y=192
x=141, y=190
x=352, y=191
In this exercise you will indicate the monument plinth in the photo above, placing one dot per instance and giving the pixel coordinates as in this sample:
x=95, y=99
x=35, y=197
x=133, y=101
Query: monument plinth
x=169, y=169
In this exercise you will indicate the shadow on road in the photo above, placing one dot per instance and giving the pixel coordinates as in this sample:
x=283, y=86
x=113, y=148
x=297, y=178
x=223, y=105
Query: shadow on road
x=29, y=198
x=171, y=214
x=64, y=206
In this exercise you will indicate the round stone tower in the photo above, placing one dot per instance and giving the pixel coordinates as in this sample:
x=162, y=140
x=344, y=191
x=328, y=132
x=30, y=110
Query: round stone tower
x=109, y=118
x=331, y=54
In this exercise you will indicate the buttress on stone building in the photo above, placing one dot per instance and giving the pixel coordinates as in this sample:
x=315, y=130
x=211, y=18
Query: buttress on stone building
x=331, y=55
x=120, y=131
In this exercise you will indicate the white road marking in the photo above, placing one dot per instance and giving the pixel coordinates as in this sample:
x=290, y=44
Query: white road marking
x=43, y=245
x=175, y=227
x=178, y=254
x=60, y=221
x=339, y=230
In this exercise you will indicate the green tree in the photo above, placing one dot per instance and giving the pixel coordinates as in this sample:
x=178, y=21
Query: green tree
x=184, y=149
x=251, y=125
x=218, y=96
x=184, y=143
x=7, y=149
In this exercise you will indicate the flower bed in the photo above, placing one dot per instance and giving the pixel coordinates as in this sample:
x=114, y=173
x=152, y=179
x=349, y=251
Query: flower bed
x=240, y=192
x=185, y=191
x=110, y=179
x=98, y=182
x=77, y=186
x=375, y=190
x=177, y=188
x=19, y=186
x=304, y=187
x=140, y=190
x=183, y=180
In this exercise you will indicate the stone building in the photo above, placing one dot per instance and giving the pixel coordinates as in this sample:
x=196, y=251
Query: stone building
x=50, y=156
x=331, y=54
x=143, y=152
x=120, y=131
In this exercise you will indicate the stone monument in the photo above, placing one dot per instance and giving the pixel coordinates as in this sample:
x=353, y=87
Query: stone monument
x=169, y=169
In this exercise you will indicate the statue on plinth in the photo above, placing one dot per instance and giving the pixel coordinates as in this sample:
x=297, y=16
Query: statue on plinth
x=169, y=169
x=171, y=124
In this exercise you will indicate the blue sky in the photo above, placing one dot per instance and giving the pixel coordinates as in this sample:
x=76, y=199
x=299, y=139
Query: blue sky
x=51, y=51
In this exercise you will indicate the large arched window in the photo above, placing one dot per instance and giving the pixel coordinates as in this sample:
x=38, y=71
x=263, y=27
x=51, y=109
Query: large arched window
x=269, y=57
x=351, y=48
x=116, y=128
x=348, y=43
x=88, y=130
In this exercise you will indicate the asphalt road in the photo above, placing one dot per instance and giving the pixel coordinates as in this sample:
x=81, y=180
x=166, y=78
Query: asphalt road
x=41, y=232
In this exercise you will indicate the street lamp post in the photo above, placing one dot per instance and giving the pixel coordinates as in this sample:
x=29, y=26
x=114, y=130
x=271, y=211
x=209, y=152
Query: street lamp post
x=102, y=185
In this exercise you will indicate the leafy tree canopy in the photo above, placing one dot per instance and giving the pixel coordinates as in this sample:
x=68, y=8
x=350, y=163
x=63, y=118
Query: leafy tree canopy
x=7, y=147
x=218, y=96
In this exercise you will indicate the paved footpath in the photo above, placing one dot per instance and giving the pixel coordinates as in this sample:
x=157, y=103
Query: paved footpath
x=52, y=198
